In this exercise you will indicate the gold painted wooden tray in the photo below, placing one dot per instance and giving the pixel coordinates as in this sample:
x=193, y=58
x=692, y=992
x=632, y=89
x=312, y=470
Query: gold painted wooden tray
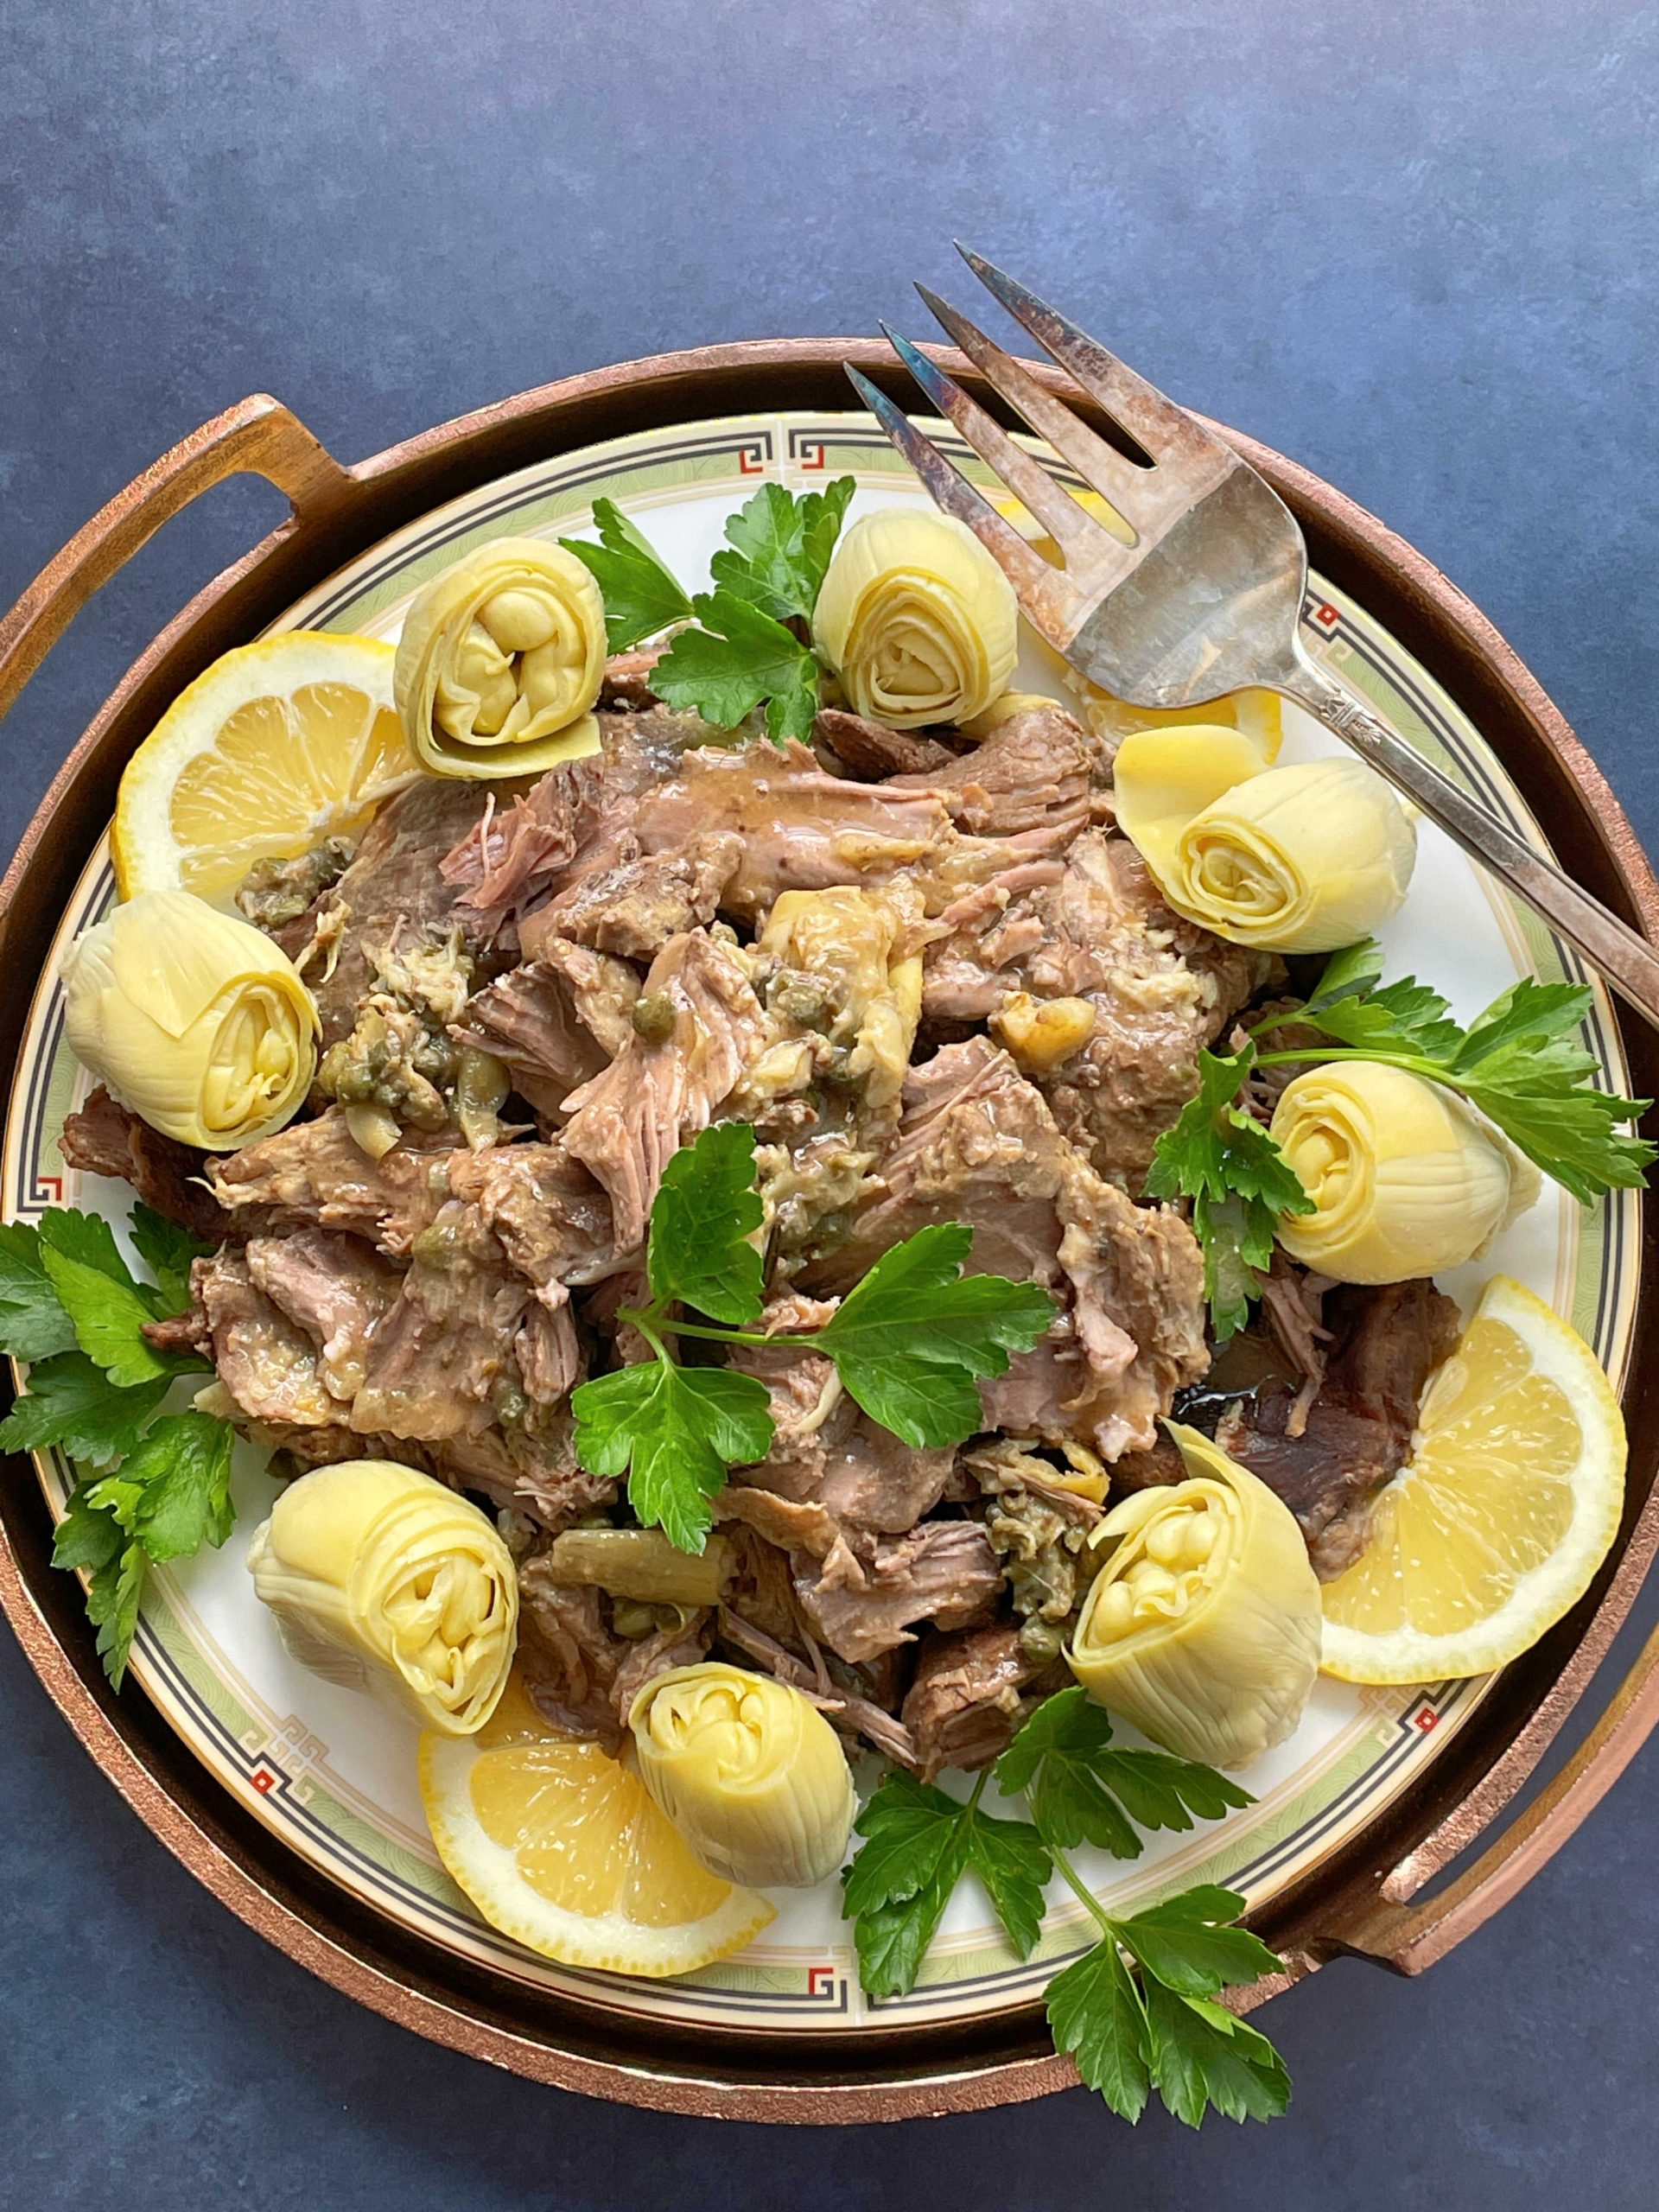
x=357, y=541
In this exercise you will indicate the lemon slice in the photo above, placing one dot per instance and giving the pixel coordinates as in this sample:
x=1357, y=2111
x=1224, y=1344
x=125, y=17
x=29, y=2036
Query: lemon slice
x=1498, y=1523
x=559, y=1846
x=276, y=747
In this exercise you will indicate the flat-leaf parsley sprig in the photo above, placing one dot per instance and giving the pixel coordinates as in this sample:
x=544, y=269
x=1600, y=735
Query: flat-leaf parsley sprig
x=1139, y=2011
x=154, y=1486
x=1519, y=1063
x=745, y=649
x=910, y=1343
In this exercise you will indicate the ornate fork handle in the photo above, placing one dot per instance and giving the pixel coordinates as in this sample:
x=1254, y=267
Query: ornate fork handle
x=1628, y=961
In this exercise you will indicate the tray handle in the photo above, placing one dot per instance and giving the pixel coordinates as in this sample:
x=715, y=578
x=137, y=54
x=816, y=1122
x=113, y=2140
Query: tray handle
x=1409, y=1937
x=258, y=436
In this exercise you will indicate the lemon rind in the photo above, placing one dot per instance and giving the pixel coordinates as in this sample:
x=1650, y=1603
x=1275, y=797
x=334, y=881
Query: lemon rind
x=488, y=1874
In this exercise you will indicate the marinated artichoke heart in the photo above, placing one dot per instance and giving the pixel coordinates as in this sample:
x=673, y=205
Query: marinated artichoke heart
x=749, y=1771
x=916, y=619
x=1405, y=1179
x=1203, y=1627
x=193, y=1018
x=1304, y=859
x=383, y=1579
x=500, y=662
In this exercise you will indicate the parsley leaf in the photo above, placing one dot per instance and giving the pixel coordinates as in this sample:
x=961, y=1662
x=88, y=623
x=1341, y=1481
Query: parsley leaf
x=108, y=1308
x=1129, y=2027
x=1201, y=2055
x=73, y=1403
x=1189, y=1944
x=909, y=1342
x=702, y=1223
x=897, y=1887
x=1012, y=1860
x=181, y=1471
x=166, y=1250
x=112, y=1598
x=1083, y=1791
x=88, y=1535
x=918, y=1843
x=782, y=545
x=1097, y=2017
x=1347, y=974
x=675, y=1431
x=1239, y=1182
x=641, y=597
x=33, y=1324
x=915, y=1305
x=739, y=656
x=64, y=1284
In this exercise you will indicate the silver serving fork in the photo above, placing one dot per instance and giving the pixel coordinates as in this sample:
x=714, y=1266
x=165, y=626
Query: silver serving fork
x=1201, y=592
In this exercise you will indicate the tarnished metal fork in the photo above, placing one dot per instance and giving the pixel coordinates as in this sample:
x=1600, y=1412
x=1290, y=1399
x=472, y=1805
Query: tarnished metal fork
x=1199, y=592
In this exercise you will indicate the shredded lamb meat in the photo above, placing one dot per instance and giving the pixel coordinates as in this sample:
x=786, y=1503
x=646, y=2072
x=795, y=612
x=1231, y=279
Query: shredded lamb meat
x=975, y=1008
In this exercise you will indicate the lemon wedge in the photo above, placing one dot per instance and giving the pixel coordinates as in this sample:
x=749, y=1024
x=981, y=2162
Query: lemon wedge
x=275, y=748
x=1502, y=1513
x=559, y=1846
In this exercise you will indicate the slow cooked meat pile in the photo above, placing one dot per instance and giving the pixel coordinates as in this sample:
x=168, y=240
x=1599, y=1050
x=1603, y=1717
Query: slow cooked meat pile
x=941, y=987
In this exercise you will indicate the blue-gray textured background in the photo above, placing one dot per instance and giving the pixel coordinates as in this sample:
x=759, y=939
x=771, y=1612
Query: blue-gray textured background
x=1411, y=244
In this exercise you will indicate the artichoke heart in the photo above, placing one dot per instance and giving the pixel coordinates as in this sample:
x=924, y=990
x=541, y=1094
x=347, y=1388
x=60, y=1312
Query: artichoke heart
x=383, y=1579
x=1405, y=1177
x=1303, y=859
x=749, y=1771
x=1203, y=1627
x=193, y=1018
x=917, y=620
x=500, y=662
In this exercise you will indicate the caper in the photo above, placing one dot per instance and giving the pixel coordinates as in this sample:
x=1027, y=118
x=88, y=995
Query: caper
x=438, y=1245
x=654, y=1017
x=1041, y=1640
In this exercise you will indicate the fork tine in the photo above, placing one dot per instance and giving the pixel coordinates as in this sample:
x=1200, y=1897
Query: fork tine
x=1100, y=465
x=1140, y=407
x=1076, y=531
x=1043, y=592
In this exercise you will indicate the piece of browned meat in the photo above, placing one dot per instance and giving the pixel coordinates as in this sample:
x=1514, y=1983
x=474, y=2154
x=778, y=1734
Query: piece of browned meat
x=316, y=1173
x=800, y=828
x=576, y=820
x=335, y=1289
x=977, y=1144
x=863, y=1599
x=1039, y=771
x=394, y=890
x=826, y=1451
x=868, y=751
x=1096, y=931
x=1385, y=1344
x=267, y=1362
x=105, y=1138
x=697, y=1026
x=626, y=681
x=632, y=908
x=964, y=1706
x=531, y=1020
x=552, y=1218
